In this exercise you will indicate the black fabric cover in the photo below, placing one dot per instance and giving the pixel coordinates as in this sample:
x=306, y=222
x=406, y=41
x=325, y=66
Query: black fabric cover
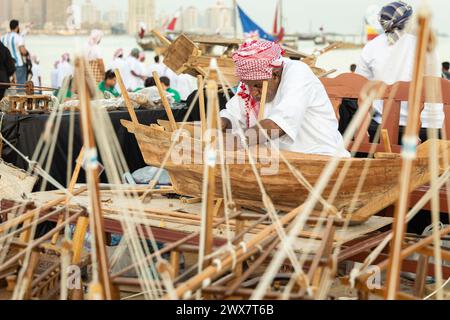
x=24, y=131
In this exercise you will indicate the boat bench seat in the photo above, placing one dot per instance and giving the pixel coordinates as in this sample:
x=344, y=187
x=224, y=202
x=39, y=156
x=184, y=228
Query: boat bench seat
x=354, y=86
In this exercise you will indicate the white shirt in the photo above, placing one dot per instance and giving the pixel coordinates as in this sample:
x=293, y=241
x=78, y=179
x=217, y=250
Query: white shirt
x=302, y=109
x=159, y=68
x=36, y=70
x=393, y=63
x=65, y=69
x=54, y=77
x=121, y=65
x=133, y=82
x=143, y=72
x=172, y=76
x=13, y=41
x=186, y=84
x=93, y=53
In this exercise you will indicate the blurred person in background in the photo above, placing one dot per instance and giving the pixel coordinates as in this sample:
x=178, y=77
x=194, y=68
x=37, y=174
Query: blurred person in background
x=36, y=73
x=119, y=63
x=15, y=43
x=94, y=56
x=65, y=69
x=165, y=82
x=390, y=58
x=54, y=74
x=445, y=70
x=7, y=67
x=109, y=83
x=158, y=67
x=134, y=76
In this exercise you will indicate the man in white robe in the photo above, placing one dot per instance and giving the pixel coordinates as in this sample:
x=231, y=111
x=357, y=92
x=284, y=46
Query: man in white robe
x=390, y=58
x=120, y=64
x=298, y=109
x=134, y=76
x=65, y=69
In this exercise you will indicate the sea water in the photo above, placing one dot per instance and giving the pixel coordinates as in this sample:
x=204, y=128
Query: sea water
x=50, y=48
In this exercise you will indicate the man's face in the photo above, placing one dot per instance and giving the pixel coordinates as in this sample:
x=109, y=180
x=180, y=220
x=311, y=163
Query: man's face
x=255, y=86
x=111, y=83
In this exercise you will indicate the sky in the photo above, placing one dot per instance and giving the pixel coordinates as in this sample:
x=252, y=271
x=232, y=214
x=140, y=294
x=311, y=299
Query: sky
x=342, y=16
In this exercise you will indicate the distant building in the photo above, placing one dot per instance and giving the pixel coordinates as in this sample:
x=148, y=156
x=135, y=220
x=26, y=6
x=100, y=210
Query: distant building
x=38, y=13
x=140, y=12
x=190, y=19
x=57, y=14
x=113, y=16
x=219, y=19
x=5, y=13
x=90, y=15
x=26, y=11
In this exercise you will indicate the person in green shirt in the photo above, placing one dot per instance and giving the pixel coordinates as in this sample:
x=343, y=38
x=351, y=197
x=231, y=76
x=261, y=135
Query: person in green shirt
x=165, y=81
x=109, y=84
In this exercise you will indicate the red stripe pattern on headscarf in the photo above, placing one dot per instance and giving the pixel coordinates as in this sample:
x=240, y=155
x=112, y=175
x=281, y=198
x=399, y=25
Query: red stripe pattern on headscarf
x=255, y=60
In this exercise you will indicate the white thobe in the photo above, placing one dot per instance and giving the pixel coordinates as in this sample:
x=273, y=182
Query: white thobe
x=302, y=109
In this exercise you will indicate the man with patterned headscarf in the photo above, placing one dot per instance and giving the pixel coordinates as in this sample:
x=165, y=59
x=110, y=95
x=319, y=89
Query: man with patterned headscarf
x=390, y=58
x=93, y=55
x=298, y=109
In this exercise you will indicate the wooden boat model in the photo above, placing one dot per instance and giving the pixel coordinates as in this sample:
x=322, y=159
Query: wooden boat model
x=193, y=55
x=379, y=190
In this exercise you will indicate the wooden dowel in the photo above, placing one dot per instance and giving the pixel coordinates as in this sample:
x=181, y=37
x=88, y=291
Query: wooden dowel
x=210, y=170
x=166, y=42
x=126, y=98
x=212, y=271
x=77, y=170
x=164, y=101
x=399, y=225
x=78, y=239
x=28, y=278
x=2, y=84
x=166, y=249
x=386, y=141
x=255, y=265
x=201, y=103
x=36, y=243
x=262, y=104
x=175, y=263
x=71, y=187
x=92, y=176
x=18, y=220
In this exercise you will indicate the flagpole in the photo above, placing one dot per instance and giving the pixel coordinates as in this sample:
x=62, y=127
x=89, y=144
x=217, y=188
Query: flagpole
x=235, y=18
x=281, y=15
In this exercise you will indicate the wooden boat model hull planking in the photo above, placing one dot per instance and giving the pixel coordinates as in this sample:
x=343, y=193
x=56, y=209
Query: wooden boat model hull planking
x=379, y=190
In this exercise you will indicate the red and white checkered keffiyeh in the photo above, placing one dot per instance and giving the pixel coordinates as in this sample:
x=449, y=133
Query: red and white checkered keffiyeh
x=256, y=59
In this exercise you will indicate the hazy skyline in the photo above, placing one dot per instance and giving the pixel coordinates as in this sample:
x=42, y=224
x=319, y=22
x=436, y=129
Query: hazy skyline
x=344, y=16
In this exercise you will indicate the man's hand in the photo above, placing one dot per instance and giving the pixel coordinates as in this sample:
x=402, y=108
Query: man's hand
x=23, y=50
x=271, y=128
x=225, y=124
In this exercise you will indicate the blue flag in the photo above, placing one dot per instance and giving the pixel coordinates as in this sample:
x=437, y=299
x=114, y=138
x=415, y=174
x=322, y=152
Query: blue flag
x=251, y=29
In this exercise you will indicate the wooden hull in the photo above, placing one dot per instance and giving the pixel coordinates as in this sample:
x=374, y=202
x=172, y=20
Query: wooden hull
x=379, y=190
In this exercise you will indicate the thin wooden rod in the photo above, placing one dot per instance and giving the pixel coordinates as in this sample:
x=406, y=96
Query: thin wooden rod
x=262, y=104
x=126, y=98
x=165, y=102
x=93, y=181
x=386, y=141
x=410, y=139
x=201, y=103
x=18, y=220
